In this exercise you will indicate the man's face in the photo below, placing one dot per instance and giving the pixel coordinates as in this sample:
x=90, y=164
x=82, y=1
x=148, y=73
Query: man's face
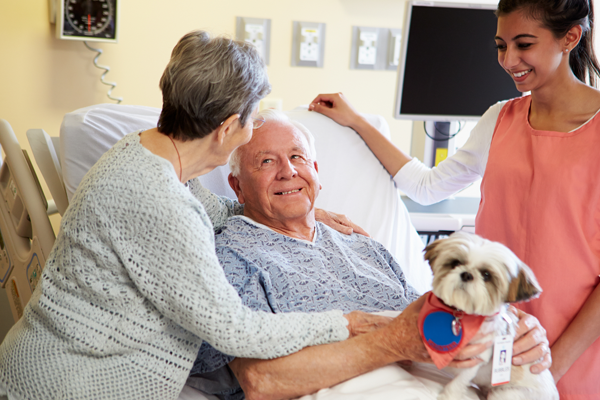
x=278, y=179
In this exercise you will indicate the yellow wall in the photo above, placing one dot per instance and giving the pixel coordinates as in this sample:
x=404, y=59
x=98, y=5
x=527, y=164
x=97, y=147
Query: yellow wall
x=42, y=78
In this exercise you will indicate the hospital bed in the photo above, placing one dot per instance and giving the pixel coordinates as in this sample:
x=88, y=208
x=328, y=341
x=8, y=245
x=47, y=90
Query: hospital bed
x=354, y=183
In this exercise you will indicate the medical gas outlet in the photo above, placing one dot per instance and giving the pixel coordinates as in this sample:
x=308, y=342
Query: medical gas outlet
x=256, y=31
x=375, y=48
x=308, y=44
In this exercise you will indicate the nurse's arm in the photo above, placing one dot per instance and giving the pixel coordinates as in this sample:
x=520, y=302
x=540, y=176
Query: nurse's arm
x=579, y=335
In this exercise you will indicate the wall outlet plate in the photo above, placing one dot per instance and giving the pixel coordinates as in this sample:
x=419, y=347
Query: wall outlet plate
x=256, y=31
x=308, y=44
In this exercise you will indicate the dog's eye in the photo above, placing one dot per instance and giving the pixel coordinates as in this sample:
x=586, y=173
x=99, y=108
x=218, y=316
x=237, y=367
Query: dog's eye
x=454, y=263
x=486, y=275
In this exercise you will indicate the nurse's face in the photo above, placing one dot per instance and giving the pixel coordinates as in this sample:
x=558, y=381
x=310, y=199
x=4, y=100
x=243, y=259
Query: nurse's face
x=529, y=52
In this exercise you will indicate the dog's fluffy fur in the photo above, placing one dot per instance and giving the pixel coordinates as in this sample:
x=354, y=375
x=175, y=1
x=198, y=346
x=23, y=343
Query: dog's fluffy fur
x=478, y=276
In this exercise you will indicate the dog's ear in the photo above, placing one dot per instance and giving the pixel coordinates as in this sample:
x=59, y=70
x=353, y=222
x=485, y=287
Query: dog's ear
x=432, y=251
x=524, y=286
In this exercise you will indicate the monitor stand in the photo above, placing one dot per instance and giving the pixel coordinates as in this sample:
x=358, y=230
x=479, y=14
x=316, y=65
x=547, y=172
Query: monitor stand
x=438, y=145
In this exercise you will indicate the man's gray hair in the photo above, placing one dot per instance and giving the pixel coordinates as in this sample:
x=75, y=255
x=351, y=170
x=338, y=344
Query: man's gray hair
x=208, y=80
x=270, y=115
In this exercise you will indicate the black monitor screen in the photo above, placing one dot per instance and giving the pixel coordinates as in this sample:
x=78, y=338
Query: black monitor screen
x=450, y=67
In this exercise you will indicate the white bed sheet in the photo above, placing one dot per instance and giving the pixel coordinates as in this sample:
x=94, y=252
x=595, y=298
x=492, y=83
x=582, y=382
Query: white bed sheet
x=420, y=382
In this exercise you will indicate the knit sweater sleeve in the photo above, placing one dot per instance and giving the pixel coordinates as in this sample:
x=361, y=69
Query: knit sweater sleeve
x=165, y=242
x=218, y=208
x=430, y=185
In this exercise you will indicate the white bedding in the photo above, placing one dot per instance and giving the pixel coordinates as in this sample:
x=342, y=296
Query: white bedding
x=417, y=382
x=422, y=382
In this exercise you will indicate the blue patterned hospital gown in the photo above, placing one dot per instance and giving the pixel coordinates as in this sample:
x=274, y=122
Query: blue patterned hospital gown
x=276, y=273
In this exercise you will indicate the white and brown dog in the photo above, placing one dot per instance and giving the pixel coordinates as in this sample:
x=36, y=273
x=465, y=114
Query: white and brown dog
x=475, y=276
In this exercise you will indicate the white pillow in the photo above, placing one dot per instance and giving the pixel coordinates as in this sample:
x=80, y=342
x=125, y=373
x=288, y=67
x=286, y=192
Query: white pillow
x=89, y=132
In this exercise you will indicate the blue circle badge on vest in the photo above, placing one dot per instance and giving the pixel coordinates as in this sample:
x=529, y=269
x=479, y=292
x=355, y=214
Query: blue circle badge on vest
x=437, y=332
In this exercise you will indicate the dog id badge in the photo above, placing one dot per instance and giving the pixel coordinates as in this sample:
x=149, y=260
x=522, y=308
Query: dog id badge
x=502, y=361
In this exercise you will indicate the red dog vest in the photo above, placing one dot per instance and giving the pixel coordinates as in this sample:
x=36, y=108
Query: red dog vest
x=445, y=331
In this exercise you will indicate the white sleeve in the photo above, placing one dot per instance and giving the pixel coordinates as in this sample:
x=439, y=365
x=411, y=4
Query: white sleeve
x=430, y=185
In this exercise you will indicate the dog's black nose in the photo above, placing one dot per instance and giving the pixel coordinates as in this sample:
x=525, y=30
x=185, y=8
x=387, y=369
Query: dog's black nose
x=466, y=276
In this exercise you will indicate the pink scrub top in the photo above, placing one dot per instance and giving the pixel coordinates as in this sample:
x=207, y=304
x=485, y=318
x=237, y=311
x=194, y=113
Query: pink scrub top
x=540, y=196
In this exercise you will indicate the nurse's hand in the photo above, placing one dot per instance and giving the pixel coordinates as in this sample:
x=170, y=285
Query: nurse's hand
x=531, y=344
x=339, y=222
x=336, y=107
x=469, y=356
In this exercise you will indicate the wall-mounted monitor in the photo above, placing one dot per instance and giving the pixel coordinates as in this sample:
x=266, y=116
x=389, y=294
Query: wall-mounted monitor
x=449, y=67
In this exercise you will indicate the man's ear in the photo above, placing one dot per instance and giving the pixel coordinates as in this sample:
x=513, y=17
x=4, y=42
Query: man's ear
x=226, y=128
x=316, y=164
x=524, y=286
x=235, y=185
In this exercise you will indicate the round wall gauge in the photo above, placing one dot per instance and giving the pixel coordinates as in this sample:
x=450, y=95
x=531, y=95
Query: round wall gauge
x=90, y=20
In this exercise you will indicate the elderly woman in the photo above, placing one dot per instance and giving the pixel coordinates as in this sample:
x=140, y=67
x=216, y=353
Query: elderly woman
x=133, y=286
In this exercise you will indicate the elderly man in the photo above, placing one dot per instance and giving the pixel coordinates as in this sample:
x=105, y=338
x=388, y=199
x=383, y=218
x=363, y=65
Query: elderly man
x=281, y=260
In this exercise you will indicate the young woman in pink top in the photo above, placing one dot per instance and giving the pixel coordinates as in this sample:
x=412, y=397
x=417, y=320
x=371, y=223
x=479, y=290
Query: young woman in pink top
x=539, y=156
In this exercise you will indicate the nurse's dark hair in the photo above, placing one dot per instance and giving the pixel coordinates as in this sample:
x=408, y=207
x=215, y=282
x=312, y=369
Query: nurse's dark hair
x=206, y=81
x=559, y=16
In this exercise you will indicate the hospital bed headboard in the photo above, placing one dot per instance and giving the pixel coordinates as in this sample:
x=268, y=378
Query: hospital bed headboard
x=354, y=182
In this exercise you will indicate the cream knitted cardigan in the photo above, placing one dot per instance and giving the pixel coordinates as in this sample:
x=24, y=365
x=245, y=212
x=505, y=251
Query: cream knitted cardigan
x=133, y=286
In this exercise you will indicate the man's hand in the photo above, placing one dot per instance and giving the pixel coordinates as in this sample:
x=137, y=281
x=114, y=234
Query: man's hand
x=403, y=338
x=339, y=222
x=531, y=344
x=360, y=322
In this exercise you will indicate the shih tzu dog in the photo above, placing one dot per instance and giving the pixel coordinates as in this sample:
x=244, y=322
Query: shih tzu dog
x=473, y=280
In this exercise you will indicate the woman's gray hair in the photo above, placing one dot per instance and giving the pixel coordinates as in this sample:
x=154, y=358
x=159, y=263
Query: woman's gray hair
x=208, y=80
x=270, y=115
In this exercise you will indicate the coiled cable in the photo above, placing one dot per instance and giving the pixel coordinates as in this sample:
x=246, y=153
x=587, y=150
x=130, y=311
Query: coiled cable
x=106, y=69
x=447, y=136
